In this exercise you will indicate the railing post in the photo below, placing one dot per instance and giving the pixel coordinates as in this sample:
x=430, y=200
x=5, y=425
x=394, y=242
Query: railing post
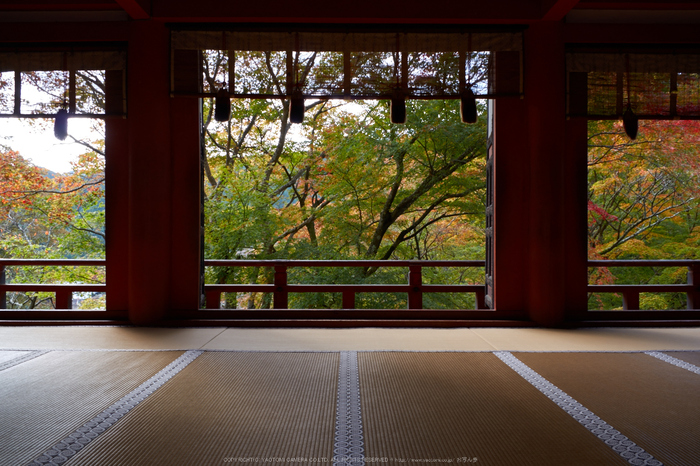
x=415, y=281
x=694, y=279
x=64, y=299
x=280, y=298
x=481, y=299
x=3, y=293
x=213, y=299
x=349, y=299
x=630, y=300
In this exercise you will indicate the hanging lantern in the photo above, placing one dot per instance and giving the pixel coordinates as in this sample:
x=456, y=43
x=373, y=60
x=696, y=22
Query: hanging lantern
x=397, y=107
x=467, y=106
x=60, y=128
x=296, y=107
x=222, y=105
x=630, y=122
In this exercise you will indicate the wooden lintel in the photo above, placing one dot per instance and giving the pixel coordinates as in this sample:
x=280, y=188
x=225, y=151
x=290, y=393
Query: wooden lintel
x=559, y=9
x=134, y=9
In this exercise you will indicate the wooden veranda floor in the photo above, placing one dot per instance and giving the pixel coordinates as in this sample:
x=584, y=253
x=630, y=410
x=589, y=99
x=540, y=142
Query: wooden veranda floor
x=203, y=396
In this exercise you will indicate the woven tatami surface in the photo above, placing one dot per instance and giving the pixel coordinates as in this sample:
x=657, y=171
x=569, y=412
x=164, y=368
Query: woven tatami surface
x=233, y=397
x=47, y=398
x=227, y=406
x=691, y=357
x=656, y=404
x=9, y=355
x=351, y=339
x=446, y=406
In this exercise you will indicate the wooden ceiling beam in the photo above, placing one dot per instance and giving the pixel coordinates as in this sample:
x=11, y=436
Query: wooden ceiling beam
x=652, y=5
x=359, y=11
x=134, y=9
x=58, y=6
x=97, y=31
x=631, y=33
x=559, y=9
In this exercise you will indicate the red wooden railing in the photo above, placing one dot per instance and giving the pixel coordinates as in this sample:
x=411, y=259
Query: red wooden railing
x=630, y=293
x=414, y=288
x=281, y=288
x=63, y=292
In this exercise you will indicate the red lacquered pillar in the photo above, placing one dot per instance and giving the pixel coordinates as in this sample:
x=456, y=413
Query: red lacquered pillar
x=150, y=173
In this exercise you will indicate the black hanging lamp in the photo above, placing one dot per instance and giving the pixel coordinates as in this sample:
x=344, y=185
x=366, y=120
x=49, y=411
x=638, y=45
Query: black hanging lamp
x=397, y=107
x=296, y=106
x=467, y=106
x=60, y=127
x=222, y=105
x=295, y=84
x=397, y=100
x=222, y=99
x=467, y=101
x=630, y=121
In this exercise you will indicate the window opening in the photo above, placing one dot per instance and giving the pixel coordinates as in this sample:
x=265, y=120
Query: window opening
x=643, y=205
x=345, y=184
x=53, y=202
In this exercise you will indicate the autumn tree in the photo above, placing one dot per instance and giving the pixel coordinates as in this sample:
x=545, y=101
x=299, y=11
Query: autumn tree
x=344, y=184
x=644, y=200
x=54, y=215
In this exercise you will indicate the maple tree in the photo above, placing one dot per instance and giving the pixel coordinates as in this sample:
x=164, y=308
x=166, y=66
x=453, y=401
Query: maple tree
x=51, y=216
x=46, y=215
x=348, y=184
x=644, y=203
x=344, y=184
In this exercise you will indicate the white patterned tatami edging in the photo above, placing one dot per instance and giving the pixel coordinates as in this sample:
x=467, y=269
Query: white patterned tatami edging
x=348, y=445
x=675, y=361
x=20, y=359
x=626, y=448
x=66, y=448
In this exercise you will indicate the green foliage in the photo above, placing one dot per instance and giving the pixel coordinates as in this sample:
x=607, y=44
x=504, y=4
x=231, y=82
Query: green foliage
x=45, y=215
x=644, y=203
x=345, y=184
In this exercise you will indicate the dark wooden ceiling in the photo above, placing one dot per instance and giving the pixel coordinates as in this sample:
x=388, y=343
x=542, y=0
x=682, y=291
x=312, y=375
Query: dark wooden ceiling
x=356, y=11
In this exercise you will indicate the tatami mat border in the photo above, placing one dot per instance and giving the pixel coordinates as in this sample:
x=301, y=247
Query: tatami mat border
x=22, y=358
x=348, y=374
x=66, y=448
x=348, y=443
x=674, y=361
x=620, y=443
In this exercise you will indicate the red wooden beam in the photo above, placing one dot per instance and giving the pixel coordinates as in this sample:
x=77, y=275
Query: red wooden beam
x=631, y=33
x=358, y=12
x=134, y=9
x=97, y=31
x=58, y=6
x=560, y=9
x=598, y=5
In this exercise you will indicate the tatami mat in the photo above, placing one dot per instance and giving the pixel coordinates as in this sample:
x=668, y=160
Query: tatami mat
x=6, y=356
x=655, y=404
x=47, y=398
x=438, y=407
x=688, y=356
x=591, y=339
x=108, y=337
x=229, y=408
x=351, y=339
x=277, y=404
